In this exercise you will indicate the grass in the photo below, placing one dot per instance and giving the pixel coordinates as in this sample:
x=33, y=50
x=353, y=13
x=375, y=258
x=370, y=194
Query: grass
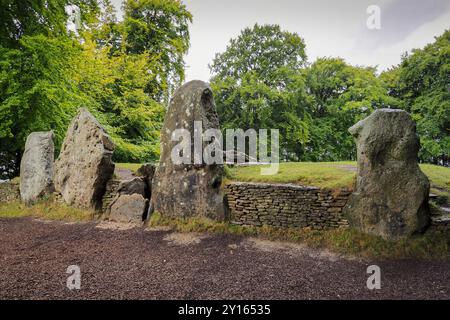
x=47, y=209
x=432, y=245
x=327, y=174
x=439, y=180
x=332, y=175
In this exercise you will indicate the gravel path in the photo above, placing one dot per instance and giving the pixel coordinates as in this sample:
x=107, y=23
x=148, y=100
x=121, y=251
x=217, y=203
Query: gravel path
x=160, y=264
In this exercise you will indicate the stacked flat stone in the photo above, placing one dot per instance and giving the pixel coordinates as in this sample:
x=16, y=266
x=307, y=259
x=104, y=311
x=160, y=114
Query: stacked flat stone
x=285, y=205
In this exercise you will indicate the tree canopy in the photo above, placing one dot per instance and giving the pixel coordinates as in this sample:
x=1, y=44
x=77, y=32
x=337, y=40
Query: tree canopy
x=121, y=71
x=263, y=80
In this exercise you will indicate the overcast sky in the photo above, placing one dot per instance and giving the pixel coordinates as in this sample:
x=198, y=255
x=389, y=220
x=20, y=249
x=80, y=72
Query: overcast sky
x=329, y=27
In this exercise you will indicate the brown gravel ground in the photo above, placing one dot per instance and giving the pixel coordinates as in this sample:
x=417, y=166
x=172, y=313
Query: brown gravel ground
x=121, y=263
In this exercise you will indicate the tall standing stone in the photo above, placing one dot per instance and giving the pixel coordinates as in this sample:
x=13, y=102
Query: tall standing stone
x=188, y=189
x=391, y=196
x=36, y=167
x=84, y=165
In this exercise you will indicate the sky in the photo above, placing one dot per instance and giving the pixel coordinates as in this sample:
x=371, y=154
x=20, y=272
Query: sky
x=330, y=28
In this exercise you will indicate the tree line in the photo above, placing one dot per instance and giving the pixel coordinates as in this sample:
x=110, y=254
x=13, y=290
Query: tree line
x=124, y=72
x=264, y=80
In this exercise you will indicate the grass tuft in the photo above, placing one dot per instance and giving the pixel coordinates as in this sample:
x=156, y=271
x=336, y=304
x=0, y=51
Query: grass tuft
x=46, y=208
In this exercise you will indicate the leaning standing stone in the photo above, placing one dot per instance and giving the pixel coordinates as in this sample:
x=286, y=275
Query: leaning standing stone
x=391, y=196
x=188, y=189
x=84, y=165
x=36, y=167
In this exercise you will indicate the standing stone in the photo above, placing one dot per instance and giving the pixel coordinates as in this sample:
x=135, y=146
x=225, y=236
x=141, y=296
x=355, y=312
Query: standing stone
x=84, y=165
x=36, y=167
x=188, y=189
x=391, y=197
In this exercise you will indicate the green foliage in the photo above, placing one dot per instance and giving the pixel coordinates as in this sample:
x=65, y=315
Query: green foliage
x=422, y=83
x=159, y=28
x=256, y=84
x=262, y=50
x=262, y=80
x=341, y=95
x=119, y=72
x=33, y=17
x=115, y=84
x=37, y=91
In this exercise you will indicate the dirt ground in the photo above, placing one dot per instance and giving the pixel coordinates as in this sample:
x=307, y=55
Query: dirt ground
x=122, y=262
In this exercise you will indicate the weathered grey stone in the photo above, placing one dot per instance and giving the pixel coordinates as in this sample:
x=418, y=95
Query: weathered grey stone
x=136, y=185
x=36, y=167
x=128, y=208
x=84, y=165
x=285, y=205
x=147, y=171
x=391, y=196
x=188, y=189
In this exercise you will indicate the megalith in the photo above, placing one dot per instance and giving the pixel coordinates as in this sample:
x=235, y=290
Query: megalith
x=391, y=194
x=188, y=189
x=36, y=167
x=84, y=165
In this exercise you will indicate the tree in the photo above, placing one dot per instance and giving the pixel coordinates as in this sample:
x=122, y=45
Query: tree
x=114, y=85
x=341, y=95
x=20, y=18
x=256, y=83
x=36, y=90
x=262, y=50
x=159, y=28
x=47, y=74
x=422, y=83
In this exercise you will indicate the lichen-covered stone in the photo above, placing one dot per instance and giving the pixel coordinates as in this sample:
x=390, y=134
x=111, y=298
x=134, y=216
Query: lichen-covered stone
x=128, y=208
x=188, y=189
x=391, y=196
x=36, y=167
x=84, y=165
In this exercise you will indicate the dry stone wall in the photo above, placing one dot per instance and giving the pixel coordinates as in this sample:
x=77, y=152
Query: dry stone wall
x=285, y=205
